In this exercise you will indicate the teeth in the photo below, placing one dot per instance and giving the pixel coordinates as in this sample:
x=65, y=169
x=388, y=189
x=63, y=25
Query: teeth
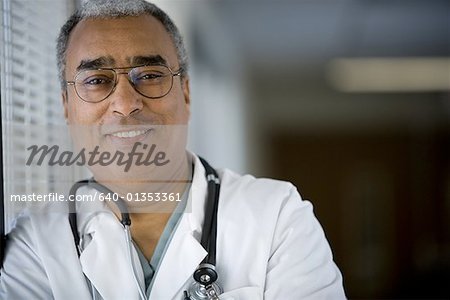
x=129, y=134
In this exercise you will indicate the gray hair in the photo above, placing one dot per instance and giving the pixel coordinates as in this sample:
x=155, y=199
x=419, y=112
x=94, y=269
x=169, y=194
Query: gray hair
x=104, y=9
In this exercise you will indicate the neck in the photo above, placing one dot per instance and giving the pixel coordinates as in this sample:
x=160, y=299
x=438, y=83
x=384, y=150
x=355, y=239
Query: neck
x=146, y=230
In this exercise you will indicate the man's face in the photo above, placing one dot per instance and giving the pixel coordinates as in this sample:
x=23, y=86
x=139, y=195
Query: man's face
x=116, y=43
x=124, y=42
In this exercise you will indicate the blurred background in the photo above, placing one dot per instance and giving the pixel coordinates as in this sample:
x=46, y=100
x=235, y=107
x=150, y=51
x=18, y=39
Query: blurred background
x=349, y=100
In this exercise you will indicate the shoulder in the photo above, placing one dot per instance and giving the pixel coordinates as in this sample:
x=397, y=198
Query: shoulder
x=264, y=204
x=250, y=182
x=259, y=191
x=22, y=231
x=32, y=239
x=38, y=245
x=27, y=227
x=35, y=233
x=22, y=265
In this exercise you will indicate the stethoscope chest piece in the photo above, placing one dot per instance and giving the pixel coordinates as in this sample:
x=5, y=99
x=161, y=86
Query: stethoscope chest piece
x=204, y=286
x=205, y=274
x=199, y=291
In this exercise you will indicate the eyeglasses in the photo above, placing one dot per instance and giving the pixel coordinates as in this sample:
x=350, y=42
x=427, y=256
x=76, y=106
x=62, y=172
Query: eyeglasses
x=95, y=85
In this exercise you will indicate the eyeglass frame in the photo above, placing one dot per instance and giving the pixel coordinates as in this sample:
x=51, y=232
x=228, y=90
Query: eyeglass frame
x=116, y=79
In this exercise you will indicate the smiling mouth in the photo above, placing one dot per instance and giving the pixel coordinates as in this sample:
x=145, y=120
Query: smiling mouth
x=130, y=133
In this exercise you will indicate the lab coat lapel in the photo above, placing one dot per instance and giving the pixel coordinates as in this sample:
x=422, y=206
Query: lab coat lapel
x=185, y=252
x=105, y=260
x=180, y=261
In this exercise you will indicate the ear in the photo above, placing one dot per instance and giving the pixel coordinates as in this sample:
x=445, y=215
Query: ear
x=186, y=91
x=187, y=94
x=65, y=102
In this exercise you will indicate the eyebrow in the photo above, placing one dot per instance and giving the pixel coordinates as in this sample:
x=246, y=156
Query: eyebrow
x=99, y=62
x=108, y=61
x=148, y=60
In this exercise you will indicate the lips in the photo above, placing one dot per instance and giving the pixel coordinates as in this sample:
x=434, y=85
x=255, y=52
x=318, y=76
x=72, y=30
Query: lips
x=126, y=136
x=130, y=133
x=125, y=131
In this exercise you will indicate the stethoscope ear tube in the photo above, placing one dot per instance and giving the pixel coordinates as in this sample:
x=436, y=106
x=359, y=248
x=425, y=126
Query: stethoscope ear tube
x=125, y=216
x=73, y=213
x=125, y=220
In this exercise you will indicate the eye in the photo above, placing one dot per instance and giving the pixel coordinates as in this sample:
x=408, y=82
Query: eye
x=99, y=80
x=149, y=76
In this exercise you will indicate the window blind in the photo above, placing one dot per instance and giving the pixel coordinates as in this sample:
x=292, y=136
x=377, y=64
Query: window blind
x=30, y=94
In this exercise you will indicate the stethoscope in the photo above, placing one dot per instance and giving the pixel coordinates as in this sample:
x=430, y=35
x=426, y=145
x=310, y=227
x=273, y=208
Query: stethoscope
x=204, y=286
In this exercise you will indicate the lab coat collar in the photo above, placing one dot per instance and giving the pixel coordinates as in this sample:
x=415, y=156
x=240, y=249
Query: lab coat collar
x=197, y=197
x=184, y=252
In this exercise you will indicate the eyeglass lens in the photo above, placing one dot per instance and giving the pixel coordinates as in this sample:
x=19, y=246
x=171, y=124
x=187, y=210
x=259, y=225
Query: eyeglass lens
x=150, y=81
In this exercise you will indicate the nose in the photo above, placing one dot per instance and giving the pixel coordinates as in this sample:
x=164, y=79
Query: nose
x=125, y=101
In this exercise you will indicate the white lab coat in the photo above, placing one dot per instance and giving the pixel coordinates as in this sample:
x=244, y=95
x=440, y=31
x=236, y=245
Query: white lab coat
x=269, y=246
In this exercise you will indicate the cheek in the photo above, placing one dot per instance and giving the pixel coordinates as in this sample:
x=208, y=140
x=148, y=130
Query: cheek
x=177, y=112
x=180, y=109
x=83, y=113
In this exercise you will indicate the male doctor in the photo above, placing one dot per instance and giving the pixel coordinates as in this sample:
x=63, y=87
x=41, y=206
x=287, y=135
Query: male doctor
x=123, y=70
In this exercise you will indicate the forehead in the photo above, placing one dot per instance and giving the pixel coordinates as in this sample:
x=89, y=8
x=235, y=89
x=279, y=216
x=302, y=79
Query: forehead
x=120, y=39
